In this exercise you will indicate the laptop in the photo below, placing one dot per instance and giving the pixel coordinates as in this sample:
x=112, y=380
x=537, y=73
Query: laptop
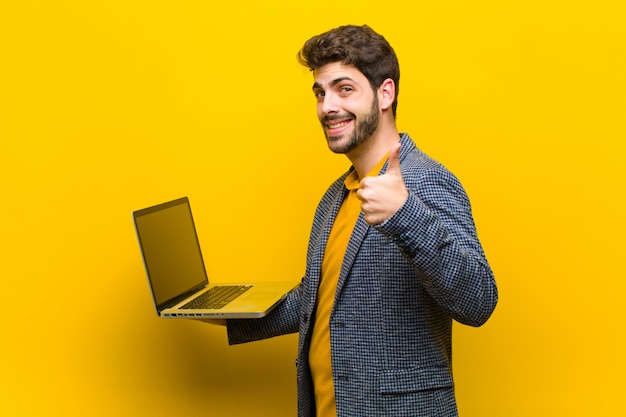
x=178, y=280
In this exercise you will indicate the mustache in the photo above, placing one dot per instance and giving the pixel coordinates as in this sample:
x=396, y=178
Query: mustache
x=334, y=117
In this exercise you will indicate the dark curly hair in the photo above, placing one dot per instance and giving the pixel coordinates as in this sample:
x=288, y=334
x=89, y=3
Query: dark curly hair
x=354, y=45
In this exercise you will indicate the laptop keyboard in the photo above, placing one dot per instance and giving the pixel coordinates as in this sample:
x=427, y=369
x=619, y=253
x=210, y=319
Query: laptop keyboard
x=217, y=297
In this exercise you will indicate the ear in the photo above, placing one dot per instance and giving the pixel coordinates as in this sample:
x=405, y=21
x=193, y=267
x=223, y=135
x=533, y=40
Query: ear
x=386, y=94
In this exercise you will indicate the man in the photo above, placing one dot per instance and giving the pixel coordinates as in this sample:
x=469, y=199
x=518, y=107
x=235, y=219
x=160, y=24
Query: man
x=393, y=255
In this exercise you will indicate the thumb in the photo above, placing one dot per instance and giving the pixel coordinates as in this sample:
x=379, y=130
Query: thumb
x=393, y=166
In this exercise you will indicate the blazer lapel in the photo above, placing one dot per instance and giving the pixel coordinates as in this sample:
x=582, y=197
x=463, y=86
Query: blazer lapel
x=358, y=235
x=320, y=247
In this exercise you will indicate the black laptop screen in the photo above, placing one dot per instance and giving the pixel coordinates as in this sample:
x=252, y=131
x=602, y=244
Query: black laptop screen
x=171, y=250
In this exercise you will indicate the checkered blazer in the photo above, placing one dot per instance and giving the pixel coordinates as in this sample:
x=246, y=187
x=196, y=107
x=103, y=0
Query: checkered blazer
x=401, y=285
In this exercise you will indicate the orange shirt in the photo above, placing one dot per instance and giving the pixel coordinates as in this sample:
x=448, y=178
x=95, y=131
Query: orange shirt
x=320, y=354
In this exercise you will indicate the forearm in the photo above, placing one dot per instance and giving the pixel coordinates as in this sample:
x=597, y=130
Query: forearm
x=440, y=241
x=282, y=320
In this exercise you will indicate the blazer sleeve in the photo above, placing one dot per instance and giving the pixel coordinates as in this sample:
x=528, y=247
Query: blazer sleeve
x=435, y=230
x=284, y=319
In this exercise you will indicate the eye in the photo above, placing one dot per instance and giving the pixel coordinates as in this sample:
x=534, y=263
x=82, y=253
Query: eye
x=319, y=94
x=346, y=89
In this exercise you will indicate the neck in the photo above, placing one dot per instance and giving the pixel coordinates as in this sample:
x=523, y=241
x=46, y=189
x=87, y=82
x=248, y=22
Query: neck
x=369, y=153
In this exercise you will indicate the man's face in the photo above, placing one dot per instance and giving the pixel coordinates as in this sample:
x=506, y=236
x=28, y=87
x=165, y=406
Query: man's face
x=346, y=106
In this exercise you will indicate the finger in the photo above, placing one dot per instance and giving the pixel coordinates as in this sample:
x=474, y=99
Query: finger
x=393, y=166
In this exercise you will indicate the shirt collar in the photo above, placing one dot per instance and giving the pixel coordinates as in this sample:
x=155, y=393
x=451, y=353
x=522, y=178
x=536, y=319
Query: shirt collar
x=352, y=181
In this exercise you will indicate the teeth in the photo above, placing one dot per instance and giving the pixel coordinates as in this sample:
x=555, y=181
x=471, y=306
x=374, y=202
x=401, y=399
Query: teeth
x=338, y=125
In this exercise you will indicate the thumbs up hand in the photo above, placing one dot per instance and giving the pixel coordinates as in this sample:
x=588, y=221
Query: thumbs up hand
x=383, y=195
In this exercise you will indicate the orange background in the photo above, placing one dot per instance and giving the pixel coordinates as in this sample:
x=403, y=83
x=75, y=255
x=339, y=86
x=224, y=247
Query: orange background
x=110, y=106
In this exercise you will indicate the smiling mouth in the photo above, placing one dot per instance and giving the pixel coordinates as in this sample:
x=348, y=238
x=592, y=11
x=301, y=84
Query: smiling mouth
x=338, y=125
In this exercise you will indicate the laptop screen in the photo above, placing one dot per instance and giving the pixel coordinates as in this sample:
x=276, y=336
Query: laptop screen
x=171, y=250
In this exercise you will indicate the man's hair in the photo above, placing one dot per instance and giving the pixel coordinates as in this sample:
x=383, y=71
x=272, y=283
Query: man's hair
x=353, y=45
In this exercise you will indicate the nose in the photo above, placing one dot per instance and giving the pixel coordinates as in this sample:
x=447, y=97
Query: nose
x=329, y=104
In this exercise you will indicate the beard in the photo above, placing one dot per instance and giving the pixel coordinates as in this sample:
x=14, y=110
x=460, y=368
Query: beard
x=364, y=128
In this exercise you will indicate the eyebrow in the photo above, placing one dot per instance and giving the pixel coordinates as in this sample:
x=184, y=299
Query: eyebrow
x=333, y=83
